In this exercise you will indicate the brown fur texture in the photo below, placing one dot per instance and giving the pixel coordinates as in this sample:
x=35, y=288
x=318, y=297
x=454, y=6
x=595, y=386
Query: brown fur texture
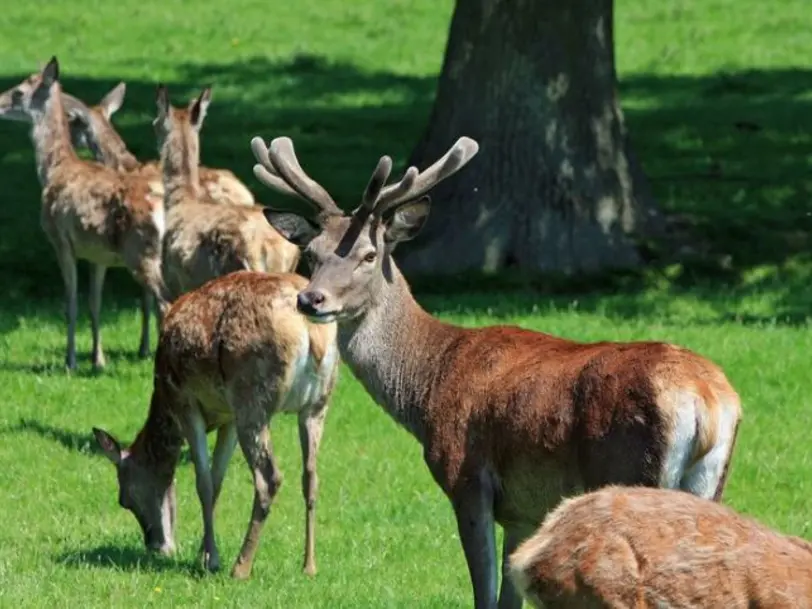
x=636, y=548
x=89, y=211
x=510, y=420
x=231, y=355
x=92, y=126
x=203, y=239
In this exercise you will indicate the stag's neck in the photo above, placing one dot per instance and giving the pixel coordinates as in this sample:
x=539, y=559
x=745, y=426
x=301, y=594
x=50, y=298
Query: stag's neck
x=157, y=446
x=109, y=148
x=180, y=158
x=51, y=137
x=396, y=349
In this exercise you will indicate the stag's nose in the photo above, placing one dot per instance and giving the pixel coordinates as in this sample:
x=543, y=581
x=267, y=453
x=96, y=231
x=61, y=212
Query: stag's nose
x=308, y=302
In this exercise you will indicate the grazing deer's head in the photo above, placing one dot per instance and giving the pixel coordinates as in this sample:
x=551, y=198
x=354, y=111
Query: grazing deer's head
x=142, y=492
x=174, y=126
x=27, y=99
x=350, y=254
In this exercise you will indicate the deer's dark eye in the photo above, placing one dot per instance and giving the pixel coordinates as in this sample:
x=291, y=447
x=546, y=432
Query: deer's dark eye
x=369, y=257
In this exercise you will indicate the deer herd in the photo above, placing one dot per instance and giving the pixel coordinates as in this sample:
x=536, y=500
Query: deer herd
x=604, y=463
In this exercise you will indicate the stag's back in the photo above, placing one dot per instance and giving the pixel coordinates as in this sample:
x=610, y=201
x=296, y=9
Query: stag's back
x=646, y=547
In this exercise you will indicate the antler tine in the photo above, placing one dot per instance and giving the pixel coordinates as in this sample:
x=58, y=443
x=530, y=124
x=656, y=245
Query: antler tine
x=376, y=183
x=416, y=183
x=264, y=170
x=283, y=159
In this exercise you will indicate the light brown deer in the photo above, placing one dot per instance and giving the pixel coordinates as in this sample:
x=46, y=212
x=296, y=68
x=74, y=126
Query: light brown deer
x=510, y=420
x=89, y=212
x=231, y=355
x=625, y=547
x=91, y=127
x=204, y=239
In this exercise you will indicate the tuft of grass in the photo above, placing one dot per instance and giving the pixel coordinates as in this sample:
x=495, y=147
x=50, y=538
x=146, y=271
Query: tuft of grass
x=717, y=96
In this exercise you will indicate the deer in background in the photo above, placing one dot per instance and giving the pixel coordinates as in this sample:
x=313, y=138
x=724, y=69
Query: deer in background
x=203, y=239
x=89, y=211
x=510, y=420
x=231, y=355
x=644, y=547
x=91, y=128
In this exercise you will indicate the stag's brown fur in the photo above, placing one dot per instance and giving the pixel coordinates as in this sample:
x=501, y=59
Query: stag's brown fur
x=203, y=239
x=93, y=125
x=510, y=420
x=231, y=355
x=642, y=547
x=89, y=211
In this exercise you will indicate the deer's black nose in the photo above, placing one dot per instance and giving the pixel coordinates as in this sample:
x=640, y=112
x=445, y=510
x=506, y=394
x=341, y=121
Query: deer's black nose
x=308, y=302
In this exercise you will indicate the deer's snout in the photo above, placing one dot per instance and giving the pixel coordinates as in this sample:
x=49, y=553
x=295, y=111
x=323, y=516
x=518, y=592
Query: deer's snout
x=309, y=302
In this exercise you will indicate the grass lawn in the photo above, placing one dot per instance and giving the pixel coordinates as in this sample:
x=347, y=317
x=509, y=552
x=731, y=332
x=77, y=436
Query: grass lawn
x=718, y=96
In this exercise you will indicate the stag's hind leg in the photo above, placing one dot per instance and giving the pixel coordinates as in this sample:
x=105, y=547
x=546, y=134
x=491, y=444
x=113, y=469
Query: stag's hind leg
x=311, y=426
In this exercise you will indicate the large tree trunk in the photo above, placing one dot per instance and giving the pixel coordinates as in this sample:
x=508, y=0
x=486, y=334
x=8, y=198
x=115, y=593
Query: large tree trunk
x=554, y=186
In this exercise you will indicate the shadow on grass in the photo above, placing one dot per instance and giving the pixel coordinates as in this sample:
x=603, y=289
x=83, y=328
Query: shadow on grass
x=727, y=155
x=109, y=556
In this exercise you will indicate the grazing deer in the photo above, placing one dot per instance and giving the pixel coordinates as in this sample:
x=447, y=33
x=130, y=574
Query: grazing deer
x=92, y=127
x=89, y=212
x=510, y=420
x=231, y=355
x=203, y=239
x=643, y=547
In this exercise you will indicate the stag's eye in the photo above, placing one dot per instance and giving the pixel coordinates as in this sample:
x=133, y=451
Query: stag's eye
x=369, y=257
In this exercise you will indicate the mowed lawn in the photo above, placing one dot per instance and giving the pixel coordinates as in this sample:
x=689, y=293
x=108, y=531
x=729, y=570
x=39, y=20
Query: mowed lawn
x=718, y=96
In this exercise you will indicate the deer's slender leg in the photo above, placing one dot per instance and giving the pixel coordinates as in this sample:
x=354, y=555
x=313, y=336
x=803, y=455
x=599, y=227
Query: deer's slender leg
x=147, y=302
x=473, y=507
x=223, y=450
x=67, y=265
x=509, y=597
x=195, y=428
x=96, y=287
x=311, y=426
x=257, y=447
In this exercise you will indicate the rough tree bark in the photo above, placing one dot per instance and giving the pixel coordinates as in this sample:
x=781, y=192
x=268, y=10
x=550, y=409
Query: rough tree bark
x=554, y=186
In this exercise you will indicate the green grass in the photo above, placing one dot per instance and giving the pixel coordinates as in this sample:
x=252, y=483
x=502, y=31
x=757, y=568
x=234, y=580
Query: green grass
x=718, y=97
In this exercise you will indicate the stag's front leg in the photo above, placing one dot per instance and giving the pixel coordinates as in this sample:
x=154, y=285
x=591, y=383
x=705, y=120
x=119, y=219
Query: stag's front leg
x=473, y=506
x=257, y=448
x=311, y=426
x=195, y=428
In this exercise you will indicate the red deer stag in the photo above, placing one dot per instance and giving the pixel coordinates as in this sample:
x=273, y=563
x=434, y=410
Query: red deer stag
x=510, y=420
x=231, y=355
x=89, y=211
x=642, y=547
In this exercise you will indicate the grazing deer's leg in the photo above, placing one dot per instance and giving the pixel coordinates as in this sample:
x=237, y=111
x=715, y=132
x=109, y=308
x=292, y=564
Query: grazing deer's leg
x=257, y=447
x=195, y=428
x=147, y=302
x=509, y=597
x=311, y=426
x=96, y=286
x=67, y=265
x=223, y=450
x=473, y=506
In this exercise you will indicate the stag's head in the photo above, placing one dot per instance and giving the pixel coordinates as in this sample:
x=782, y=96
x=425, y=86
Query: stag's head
x=349, y=254
x=149, y=497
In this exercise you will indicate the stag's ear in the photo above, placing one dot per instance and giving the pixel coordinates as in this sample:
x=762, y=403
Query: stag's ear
x=109, y=445
x=294, y=228
x=198, y=108
x=112, y=102
x=407, y=220
x=50, y=73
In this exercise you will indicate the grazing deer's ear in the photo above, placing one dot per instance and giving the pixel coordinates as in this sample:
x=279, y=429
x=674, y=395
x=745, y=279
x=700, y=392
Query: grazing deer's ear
x=198, y=108
x=109, y=445
x=111, y=103
x=292, y=227
x=50, y=73
x=162, y=100
x=406, y=220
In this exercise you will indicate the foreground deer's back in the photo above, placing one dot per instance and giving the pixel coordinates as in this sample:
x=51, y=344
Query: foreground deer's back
x=241, y=334
x=98, y=211
x=584, y=414
x=641, y=547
